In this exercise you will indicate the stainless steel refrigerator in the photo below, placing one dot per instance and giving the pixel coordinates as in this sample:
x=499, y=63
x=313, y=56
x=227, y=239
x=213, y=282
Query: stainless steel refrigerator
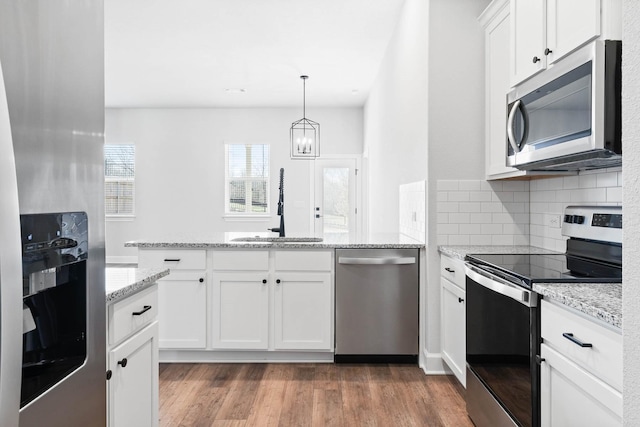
x=51, y=168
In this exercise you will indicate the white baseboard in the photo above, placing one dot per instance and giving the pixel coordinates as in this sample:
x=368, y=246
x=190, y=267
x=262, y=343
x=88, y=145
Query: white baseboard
x=122, y=260
x=221, y=356
x=434, y=365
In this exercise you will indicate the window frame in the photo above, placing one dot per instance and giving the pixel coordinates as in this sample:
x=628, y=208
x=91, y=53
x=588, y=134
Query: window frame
x=117, y=179
x=248, y=180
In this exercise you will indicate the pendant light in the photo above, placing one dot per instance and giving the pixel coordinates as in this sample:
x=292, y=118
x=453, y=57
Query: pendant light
x=305, y=133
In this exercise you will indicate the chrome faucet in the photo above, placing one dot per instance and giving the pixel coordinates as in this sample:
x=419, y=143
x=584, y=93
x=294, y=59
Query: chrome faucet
x=280, y=230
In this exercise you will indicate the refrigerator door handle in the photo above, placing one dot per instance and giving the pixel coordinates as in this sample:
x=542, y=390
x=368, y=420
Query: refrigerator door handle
x=10, y=273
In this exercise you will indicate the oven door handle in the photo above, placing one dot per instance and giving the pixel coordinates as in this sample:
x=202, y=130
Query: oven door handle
x=501, y=286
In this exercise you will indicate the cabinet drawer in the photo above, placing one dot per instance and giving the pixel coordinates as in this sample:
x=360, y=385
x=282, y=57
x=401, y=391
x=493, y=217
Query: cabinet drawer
x=132, y=314
x=603, y=359
x=178, y=259
x=303, y=260
x=241, y=260
x=453, y=270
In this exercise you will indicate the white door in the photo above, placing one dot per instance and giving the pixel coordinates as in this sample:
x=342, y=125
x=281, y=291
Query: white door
x=336, y=199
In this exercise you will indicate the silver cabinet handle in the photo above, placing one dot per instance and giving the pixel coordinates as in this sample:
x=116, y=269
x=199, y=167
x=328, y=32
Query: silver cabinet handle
x=510, y=135
x=377, y=260
x=450, y=270
x=501, y=286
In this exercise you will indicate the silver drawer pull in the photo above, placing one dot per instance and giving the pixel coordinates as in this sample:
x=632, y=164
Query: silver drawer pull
x=450, y=270
x=172, y=260
x=570, y=337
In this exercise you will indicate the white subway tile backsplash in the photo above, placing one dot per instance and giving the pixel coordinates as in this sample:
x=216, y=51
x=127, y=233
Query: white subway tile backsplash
x=471, y=185
x=480, y=196
x=614, y=195
x=491, y=207
x=469, y=207
x=443, y=196
x=459, y=240
x=448, y=185
x=458, y=196
x=514, y=212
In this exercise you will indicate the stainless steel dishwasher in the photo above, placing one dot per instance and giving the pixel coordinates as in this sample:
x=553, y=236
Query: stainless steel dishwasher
x=377, y=305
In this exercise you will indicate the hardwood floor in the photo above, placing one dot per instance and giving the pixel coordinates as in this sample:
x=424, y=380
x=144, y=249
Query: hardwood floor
x=308, y=395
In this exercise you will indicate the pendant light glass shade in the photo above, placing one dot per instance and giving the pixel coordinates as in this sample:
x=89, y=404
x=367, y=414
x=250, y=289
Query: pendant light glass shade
x=305, y=133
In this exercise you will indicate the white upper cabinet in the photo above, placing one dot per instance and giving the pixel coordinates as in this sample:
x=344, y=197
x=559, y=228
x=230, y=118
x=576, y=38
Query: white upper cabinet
x=495, y=21
x=544, y=31
x=528, y=38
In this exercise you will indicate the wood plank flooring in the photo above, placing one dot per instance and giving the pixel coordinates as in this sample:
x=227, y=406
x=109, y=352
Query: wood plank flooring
x=241, y=395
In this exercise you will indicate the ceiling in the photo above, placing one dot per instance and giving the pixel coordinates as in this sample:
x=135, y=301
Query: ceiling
x=188, y=53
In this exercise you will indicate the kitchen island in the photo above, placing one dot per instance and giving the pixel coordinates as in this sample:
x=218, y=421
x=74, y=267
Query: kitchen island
x=251, y=301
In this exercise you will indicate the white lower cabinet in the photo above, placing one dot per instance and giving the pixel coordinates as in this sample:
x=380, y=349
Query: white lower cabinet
x=581, y=370
x=571, y=396
x=240, y=311
x=182, y=296
x=132, y=371
x=133, y=387
x=303, y=311
x=183, y=311
x=453, y=329
x=453, y=316
x=282, y=300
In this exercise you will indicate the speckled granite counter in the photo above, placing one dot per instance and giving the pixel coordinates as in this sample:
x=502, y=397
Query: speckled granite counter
x=600, y=300
x=460, y=252
x=225, y=240
x=122, y=282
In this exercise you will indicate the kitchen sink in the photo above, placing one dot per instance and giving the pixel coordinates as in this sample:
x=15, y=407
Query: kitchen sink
x=278, y=239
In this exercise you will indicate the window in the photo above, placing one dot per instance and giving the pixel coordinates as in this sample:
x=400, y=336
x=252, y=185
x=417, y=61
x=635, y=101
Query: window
x=247, y=179
x=119, y=177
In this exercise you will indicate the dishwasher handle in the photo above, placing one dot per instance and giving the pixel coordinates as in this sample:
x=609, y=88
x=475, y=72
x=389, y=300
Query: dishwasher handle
x=377, y=260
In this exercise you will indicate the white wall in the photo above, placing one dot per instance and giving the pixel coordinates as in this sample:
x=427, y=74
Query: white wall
x=395, y=119
x=631, y=211
x=180, y=167
x=456, y=125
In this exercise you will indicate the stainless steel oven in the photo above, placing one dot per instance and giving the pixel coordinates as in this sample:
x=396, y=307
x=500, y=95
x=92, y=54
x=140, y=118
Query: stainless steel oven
x=503, y=331
x=502, y=317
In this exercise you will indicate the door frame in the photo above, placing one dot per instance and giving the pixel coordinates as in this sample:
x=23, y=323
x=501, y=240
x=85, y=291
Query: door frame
x=358, y=197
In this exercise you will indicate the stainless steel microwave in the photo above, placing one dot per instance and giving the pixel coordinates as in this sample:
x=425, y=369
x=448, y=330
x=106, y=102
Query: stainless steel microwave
x=568, y=116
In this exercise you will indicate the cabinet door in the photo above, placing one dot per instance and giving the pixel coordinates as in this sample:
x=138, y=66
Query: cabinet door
x=303, y=311
x=453, y=329
x=571, y=396
x=497, y=85
x=183, y=310
x=240, y=311
x=571, y=24
x=528, y=22
x=133, y=387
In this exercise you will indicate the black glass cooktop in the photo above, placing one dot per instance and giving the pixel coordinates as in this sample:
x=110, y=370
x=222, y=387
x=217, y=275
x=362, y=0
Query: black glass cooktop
x=529, y=268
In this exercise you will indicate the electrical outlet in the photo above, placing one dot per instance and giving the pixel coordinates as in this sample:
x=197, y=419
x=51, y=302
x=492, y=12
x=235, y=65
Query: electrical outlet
x=553, y=220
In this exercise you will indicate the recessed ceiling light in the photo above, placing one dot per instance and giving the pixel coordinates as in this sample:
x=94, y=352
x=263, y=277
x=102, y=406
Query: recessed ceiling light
x=235, y=90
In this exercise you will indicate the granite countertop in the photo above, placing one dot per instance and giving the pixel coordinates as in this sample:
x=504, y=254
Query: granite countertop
x=122, y=282
x=461, y=252
x=600, y=300
x=226, y=240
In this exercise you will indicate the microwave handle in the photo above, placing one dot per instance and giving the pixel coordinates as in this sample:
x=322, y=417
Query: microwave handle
x=510, y=135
